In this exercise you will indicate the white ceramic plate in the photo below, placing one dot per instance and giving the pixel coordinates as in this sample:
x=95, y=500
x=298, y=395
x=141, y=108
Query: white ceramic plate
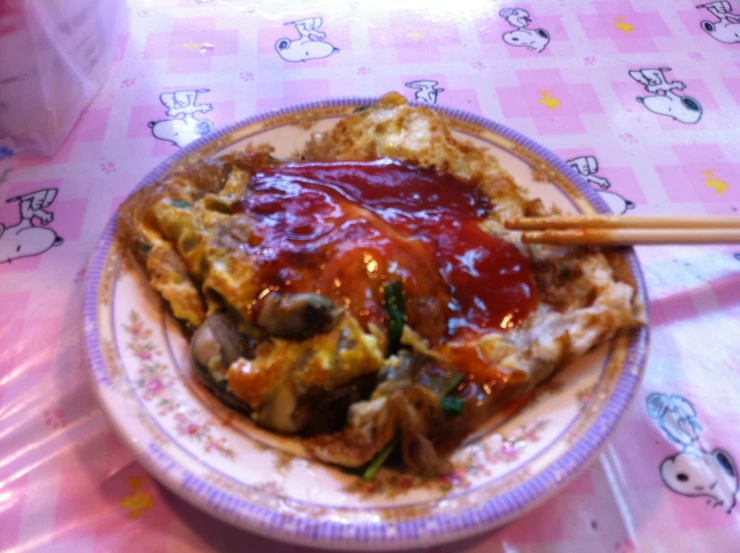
x=221, y=462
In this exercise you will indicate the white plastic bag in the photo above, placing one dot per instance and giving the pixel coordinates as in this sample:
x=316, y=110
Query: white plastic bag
x=54, y=57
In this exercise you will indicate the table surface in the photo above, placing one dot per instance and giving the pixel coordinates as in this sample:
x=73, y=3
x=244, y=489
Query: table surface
x=598, y=92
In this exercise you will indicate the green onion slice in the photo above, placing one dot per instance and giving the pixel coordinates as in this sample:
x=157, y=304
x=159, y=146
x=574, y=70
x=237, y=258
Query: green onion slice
x=452, y=405
x=395, y=304
x=376, y=464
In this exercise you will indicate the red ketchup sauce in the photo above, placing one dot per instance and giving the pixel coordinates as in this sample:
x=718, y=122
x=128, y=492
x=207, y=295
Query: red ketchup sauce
x=346, y=229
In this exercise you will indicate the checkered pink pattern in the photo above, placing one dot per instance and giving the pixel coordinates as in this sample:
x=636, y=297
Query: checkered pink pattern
x=555, y=105
x=618, y=25
x=185, y=67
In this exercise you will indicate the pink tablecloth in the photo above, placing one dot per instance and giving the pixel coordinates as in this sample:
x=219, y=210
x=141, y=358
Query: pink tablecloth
x=590, y=80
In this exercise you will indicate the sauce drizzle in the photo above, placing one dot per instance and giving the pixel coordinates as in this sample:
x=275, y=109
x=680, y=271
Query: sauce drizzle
x=346, y=229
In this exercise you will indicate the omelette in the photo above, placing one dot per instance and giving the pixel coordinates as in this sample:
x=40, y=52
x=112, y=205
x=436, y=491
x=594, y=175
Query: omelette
x=365, y=296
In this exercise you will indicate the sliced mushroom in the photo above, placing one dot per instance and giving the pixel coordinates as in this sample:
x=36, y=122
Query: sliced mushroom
x=297, y=316
x=215, y=345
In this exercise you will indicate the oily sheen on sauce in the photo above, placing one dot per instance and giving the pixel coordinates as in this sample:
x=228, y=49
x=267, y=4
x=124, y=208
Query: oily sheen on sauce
x=346, y=229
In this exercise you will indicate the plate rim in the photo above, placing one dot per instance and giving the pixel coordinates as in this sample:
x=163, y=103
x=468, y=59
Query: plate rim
x=496, y=511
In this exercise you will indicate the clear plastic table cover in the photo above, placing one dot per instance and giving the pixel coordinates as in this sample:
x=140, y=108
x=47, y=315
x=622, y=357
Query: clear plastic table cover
x=642, y=97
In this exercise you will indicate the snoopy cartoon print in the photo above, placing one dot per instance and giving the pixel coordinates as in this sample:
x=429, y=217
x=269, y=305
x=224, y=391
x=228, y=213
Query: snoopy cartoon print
x=587, y=167
x=182, y=128
x=31, y=236
x=309, y=46
x=426, y=91
x=727, y=27
x=663, y=99
x=7, y=154
x=533, y=39
x=694, y=471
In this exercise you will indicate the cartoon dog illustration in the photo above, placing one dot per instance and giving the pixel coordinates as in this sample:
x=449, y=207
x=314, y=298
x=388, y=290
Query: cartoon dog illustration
x=310, y=45
x=534, y=39
x=7, y=153
x=183, y=127
x=694, y=472
x=26, y=239
x=426, y=93
x=587, y=166
x=727, y=28
x=664, y=101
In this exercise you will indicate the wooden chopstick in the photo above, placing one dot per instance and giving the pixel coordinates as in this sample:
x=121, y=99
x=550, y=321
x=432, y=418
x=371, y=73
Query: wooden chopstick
x=610, y=230
x=630, y=237
x=619, y=221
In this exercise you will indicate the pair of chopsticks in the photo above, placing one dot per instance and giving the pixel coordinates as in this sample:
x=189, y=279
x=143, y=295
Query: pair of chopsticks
x=611, y=230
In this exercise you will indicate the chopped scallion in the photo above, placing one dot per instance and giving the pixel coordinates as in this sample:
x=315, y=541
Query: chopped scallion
x=454, y=382
x=376, y=464
x=452, y=405
x=395, y=304
x=182, y=204
x=143, y=247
